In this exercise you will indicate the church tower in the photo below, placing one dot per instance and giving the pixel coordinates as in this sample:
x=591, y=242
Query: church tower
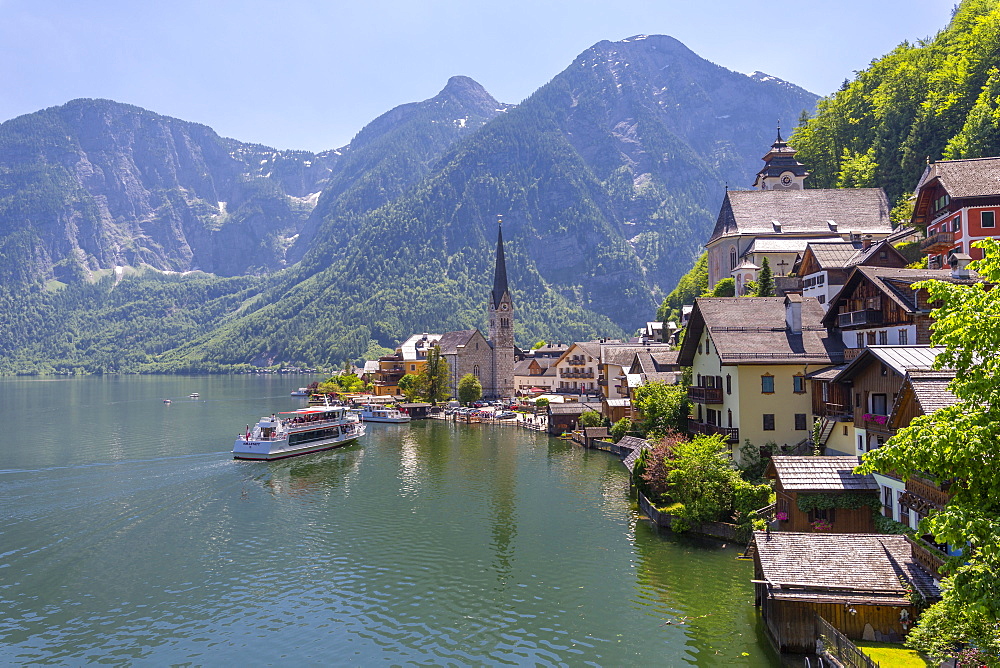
x=501, y=319
x=781, y=170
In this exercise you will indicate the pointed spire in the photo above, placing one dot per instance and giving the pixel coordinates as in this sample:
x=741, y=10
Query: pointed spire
x=500, y=275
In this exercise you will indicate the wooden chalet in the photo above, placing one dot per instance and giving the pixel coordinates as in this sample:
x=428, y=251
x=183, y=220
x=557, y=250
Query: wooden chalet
x=824, y=266
x=795, y=476
x=566, y=417
x=879, y=306
x=853, y=581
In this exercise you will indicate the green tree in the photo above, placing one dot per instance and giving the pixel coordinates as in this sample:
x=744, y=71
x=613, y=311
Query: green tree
x=725, y=288
x=590, y=419
x=664, y=408
x=435, y=376
x=469, y=389
x=411, y=385
x=621, y=429
x=959, y=443
x=765, y=280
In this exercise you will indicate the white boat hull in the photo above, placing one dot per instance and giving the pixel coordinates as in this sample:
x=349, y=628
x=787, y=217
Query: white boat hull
x=405, y=418
x=266, y=450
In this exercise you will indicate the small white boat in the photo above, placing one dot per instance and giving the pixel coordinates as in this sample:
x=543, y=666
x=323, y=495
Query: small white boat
x=298, y=433
x=301, y=392
x=374, y=413
x=193, y=395
x=166, y=401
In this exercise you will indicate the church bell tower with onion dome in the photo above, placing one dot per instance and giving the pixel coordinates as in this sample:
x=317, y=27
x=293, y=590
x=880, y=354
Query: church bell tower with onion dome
x=501, y=319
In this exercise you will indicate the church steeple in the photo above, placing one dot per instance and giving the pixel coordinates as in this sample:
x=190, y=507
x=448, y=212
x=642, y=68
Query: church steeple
x=500, y=273
x=781, y=170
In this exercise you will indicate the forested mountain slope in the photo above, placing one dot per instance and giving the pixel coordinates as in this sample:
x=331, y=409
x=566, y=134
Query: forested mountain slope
x=933, y=99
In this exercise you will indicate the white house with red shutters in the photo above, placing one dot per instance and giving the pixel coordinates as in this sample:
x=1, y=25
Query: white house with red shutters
x=958, y=201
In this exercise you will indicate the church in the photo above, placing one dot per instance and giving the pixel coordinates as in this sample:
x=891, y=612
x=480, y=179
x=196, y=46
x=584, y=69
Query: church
x=491, y=360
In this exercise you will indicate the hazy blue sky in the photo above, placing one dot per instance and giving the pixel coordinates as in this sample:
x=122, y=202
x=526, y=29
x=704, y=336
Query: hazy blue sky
x=309, y=74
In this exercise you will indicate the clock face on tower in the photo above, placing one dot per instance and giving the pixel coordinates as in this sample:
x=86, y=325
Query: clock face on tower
x=503, y=307
x=786, y=179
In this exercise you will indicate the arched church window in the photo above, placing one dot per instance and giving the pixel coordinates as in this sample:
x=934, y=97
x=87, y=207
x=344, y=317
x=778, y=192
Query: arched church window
x=732, y=257
x=475, y=370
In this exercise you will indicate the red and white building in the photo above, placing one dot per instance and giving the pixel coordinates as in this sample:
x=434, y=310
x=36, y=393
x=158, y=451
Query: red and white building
x=958, y=201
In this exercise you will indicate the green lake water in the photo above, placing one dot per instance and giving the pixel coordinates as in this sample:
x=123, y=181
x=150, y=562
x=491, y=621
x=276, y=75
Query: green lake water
x=131, y=536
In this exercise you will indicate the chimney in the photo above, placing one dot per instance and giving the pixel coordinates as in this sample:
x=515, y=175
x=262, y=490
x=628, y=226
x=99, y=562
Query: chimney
x=866, y=242
x=793, y=313
x=959, y=263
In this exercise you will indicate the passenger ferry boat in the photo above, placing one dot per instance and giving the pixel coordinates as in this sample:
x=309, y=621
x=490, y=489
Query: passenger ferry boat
x=299, y=432
x=374, y=413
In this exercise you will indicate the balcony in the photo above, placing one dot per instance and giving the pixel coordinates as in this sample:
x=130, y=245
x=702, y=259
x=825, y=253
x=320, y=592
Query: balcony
x=927, y=492
x=576, y=374
x=705, y=395
x=874, y=422
x=938, y=243
x=729, y=434
x=575, y=361
x=865, y=318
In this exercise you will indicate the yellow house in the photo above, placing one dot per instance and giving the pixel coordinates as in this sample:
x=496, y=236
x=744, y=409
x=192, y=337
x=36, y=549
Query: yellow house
x=410, y=357
x=749, y=358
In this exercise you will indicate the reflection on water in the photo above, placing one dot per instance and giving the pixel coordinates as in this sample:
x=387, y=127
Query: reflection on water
x=130, y=535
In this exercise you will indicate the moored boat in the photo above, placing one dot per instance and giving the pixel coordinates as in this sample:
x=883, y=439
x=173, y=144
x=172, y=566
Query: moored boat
x=298, y=432
x=373, y=413
x=301, y=392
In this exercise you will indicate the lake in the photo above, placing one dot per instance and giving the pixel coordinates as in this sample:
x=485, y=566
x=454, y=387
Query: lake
x=131, y=536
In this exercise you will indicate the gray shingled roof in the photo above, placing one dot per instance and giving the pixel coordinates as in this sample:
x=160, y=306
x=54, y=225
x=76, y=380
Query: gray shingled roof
x=752, y=329
x=803, y=212
x=833, y=255
x=821, y=474
x=786, y=245
x=977, y=177
x=931, y=389
x=622, y=355
x=637, y=445
x=851, y=567
x=450, y=341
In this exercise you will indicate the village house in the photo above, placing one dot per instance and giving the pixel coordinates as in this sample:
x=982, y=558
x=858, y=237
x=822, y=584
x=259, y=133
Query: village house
x=779, y=218
x=577, y=370
x=923, y=392
x=616, y=358
x=858, y=583
x=410, y=358
x=873, y=381
x=958, y=202
x=534, y=375
x=824, y=266
x=565, y=417
x=879, y=306
x=798, y=480
x=750, y=357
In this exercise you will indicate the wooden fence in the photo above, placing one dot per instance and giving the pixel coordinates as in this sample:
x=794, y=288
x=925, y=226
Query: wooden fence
x=840, y=647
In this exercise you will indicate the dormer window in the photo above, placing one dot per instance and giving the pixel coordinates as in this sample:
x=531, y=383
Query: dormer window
x=776, y=225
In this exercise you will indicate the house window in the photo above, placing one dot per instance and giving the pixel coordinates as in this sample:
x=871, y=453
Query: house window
x=800, y=421
x=903, y=335
x=413, y=367
x=987, y=219
x=956, y=225
x=871, y=338
x=798, y=384
x=699, y=347
x=857, y=400
x=708, y=346
x=860, y=338
x=883, y=338
x=821, y=299
x=827, y=514
x=768, y=421
x=729, y=418
x=729, y=384
x=879, y=404
x=845, y=429
x=767, y=385
x=887, y=509
x=861, y=444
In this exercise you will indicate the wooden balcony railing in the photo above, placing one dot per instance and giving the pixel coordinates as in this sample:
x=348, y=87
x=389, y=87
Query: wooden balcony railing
x=705, y=395
x=730, y=434
x=927, y=491
x=938, y=243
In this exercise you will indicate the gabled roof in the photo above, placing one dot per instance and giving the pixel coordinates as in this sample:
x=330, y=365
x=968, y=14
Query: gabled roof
x=789, y=244
x=976, y=177
x=832, y=254
x=416, y=346
x=897, y=284
x=650, y=361
x=590, y=348
x=622, y=355
x=898, y=358
x=451, y=341
x=814, y=212
x=840, y=567
x=752, y=330
x=821, y=474
x=928, y=389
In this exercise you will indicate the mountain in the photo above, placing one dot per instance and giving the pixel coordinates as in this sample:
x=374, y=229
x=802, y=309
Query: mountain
x=608, y=179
